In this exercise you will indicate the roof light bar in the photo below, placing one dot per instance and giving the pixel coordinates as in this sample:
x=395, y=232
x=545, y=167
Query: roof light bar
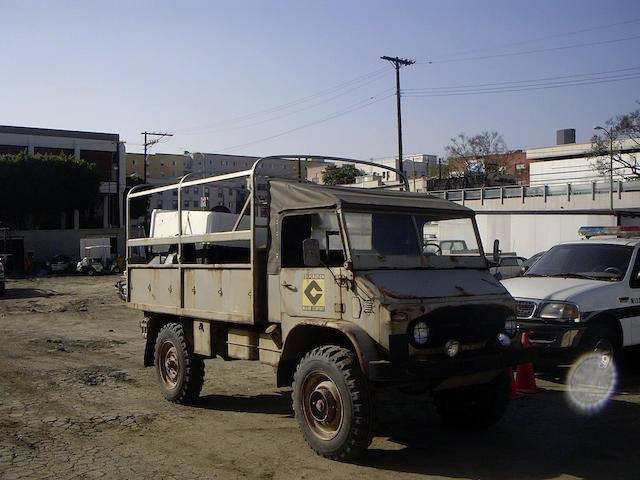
x=625, y=231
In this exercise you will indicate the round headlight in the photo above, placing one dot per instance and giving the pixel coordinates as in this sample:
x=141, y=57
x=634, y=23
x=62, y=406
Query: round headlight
x=510, y=326
x=420, y=333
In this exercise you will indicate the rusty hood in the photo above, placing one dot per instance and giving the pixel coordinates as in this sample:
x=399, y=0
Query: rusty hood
x=425, y=284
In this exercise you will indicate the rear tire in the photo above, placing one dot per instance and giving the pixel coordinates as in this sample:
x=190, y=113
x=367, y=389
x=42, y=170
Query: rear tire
x=474, y=407
x=180, y=373
x=332, y=403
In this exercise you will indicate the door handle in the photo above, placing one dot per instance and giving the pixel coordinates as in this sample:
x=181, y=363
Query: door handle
x=289, y=286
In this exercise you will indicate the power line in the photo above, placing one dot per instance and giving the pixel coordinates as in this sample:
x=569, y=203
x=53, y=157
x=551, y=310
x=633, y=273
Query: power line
x=346, y=111
x=288, y=114
x=523, y=88
x=533, y=40
x=516, y=82
x=529, y=52
x=364, y=79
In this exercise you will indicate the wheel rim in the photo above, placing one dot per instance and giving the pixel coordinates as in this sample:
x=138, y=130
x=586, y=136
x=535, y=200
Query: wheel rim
x=604, y=348
x=322, y=404
x=169, y=364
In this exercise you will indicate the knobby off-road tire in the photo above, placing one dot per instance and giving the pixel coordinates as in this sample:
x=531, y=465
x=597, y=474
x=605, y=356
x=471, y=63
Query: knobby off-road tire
x=332, y=403
x=180, y=373
x=474, y=407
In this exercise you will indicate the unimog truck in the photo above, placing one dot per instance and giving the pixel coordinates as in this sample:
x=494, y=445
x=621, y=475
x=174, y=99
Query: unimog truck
x=337, y=289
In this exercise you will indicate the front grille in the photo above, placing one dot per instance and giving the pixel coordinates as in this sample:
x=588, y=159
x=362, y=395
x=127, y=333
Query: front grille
x=524, y=309
x=470, y=325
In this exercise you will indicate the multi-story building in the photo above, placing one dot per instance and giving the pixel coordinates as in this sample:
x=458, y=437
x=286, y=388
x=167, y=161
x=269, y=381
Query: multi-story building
x=569, y=162
x=164, y=168
x=106, y=219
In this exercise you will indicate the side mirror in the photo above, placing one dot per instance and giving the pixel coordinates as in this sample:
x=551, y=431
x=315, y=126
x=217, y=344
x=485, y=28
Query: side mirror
x=496, y=250
x=523, y=269
x=311, y=252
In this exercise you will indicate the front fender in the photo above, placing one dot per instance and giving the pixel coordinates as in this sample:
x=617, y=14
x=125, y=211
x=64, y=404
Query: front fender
x=307, y=334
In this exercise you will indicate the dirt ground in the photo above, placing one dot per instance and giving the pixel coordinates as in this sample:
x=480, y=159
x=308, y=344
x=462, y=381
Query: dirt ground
x=76, y=402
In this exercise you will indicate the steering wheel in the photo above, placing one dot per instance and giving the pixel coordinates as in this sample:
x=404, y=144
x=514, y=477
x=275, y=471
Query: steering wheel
x=615, y=270
x=438, y=249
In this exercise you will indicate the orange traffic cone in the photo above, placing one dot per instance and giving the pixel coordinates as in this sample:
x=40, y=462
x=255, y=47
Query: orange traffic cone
x=525, y=377
x=514, y=389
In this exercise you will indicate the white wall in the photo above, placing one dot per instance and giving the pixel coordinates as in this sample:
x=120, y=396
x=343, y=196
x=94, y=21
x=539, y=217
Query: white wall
x=527, y=234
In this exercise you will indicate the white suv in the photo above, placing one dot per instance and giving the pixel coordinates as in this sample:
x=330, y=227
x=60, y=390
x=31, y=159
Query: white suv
x=582, y=296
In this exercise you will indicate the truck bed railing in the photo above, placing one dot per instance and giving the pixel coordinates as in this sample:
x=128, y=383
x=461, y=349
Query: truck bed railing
x=233, y=235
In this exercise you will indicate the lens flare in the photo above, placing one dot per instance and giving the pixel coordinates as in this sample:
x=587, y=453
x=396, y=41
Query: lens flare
x=591, y=382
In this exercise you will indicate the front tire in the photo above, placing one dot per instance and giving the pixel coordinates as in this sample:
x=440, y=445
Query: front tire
x=474, y=407
x=180, y=373
x=332, y=403
x=601, y=339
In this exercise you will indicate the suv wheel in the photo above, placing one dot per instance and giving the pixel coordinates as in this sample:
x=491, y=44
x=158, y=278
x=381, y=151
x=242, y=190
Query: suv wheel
x=601, y=339
x=332, y=403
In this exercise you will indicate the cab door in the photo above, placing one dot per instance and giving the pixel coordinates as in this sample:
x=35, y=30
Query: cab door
x=311, y=291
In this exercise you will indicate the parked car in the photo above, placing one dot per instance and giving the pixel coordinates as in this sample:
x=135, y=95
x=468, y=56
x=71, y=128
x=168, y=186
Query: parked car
x=507, y=267
x=526, y=265
x=582, y=296
x=59, y=263
x=121, y=286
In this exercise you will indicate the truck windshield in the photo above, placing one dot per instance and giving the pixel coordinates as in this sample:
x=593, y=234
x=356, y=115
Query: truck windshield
x=407, y=240
x=592, y=261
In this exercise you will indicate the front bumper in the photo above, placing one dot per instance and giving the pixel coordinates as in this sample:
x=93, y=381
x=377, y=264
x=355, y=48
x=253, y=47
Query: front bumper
x=553, y=340
x=440, y=369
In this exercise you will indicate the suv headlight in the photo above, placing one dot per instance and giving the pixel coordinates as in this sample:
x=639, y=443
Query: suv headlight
x=560, y=311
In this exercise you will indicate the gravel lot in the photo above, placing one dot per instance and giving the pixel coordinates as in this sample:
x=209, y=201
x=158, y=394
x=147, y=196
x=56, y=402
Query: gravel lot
x=76, y=402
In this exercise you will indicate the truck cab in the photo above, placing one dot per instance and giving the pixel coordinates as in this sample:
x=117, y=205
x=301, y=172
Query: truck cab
x=336, y=291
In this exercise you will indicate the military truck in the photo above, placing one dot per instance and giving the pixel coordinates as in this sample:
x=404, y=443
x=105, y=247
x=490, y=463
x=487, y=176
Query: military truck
x=331, y=286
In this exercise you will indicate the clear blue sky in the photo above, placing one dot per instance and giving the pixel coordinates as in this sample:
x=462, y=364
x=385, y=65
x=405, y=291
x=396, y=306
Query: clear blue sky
x=220, y=75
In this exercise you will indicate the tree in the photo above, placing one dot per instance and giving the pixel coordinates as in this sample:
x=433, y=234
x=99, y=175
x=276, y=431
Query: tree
x=608, y=148
x=340, y=175
x=463, y=151
x=38, y=188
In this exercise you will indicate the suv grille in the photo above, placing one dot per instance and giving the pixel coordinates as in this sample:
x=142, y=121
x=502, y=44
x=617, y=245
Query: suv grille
x=524, y=309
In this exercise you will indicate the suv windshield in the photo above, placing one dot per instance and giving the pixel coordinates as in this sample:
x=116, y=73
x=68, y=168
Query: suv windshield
x=593, y=261
x=379, y=239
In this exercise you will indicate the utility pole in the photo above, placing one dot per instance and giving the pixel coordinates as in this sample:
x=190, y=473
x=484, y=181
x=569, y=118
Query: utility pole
x=610, y=135
x=148, y=144
x=397, y=63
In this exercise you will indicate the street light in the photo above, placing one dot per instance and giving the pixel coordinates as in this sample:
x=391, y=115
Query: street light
x=610, y=135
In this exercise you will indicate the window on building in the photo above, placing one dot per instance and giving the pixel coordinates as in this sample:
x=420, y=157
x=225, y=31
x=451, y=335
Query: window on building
x=174, y=163
x=186, y=204
x=521, y=166
x=162, y=164
x=174, y=204
x=196, y=190
x=159, y=204
x=174, y=193
x=133, y=162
